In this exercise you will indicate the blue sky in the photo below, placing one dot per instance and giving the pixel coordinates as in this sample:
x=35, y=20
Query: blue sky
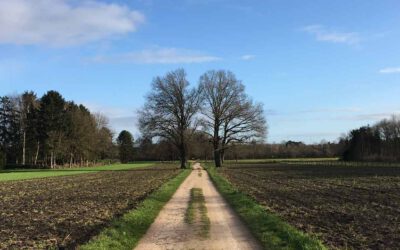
x=320, y=67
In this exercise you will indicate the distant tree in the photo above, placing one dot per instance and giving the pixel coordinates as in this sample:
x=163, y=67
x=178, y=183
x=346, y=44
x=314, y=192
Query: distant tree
x=200, y=146
x=169, y=111
x=230, y=115
x=145, y=150
x=9, y=129
x=105, y=149
x=2, y=158
x=29, y=106
x=51, y=131
x=52, y=120
x=125, y=144
x=363, y=144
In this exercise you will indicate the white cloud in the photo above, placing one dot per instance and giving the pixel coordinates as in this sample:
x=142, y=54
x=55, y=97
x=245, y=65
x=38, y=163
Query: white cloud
x=325, y=35
x=247, y=57
x=390, y=70
x=64, y=22
x=157, y=56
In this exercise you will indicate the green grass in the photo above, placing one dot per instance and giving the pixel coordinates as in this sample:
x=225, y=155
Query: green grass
x=269, y=229
x=125, y=232
x=190, y=210
x=22, y=174
x=196, y=213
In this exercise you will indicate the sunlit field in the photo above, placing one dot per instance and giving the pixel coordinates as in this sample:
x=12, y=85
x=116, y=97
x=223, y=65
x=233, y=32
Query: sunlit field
x=21, y=174
x=65, y=211
x=346, y=207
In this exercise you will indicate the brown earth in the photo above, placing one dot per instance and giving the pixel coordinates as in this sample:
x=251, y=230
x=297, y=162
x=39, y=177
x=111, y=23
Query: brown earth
x=346, y=207
x=62, y=212
x=170, y=231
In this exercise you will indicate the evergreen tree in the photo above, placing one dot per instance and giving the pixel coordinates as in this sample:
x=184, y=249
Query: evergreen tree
x=29, y=107
x=125, y=144
x=51, y=124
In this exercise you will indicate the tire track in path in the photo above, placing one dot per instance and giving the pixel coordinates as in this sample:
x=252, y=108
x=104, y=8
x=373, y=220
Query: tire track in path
x=170, y=231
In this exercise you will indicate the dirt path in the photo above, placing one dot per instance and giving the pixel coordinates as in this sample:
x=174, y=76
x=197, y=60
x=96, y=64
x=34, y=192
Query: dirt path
x=170, y=231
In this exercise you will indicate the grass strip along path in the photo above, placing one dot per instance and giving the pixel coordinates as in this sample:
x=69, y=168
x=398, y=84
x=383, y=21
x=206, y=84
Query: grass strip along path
x=67, y=211
x=196, y=213
x=125, y=232
x=171, y=229
x=22, y=174
x=269, y=229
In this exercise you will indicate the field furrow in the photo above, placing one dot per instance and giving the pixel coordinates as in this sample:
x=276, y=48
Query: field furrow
x=63, y=212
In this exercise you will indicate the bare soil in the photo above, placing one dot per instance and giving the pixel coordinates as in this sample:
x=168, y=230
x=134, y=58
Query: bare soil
x=346, y=207
x=62, y=212
x=170, y=231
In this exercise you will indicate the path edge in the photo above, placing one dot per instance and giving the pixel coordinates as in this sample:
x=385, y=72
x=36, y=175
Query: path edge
x=271, y=231
x=125, y=232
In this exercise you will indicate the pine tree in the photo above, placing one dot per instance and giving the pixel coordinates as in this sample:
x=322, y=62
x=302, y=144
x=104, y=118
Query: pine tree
x=52, y=124
x=125, y=143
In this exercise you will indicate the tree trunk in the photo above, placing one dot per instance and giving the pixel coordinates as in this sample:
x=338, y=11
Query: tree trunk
x=37, y=152
x=23, y=148
x=183, y=155
x=222, y=156
x=70, y=160
x=216, y=141
x=51, y=159
x=217, y=158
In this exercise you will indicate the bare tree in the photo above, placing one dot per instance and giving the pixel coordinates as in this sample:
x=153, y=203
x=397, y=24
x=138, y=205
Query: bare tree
x=170, y=111
x=243, y=122
x=230, y=115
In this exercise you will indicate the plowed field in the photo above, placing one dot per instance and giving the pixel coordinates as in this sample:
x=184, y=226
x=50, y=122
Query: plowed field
x=346, y=207
x=62, y=212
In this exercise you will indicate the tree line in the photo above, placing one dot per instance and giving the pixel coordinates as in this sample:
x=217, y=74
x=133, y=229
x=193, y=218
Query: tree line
x=50, y=131
x=200, y=147
x=380, y=142
x=215, y=120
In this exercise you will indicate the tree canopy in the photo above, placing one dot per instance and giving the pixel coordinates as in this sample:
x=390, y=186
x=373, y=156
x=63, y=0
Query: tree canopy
x=125, y=146
x=50, y=131
x=229, y=114
x=169, y=111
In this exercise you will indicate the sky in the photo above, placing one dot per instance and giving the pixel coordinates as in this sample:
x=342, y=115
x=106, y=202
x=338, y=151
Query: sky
x=321, y=68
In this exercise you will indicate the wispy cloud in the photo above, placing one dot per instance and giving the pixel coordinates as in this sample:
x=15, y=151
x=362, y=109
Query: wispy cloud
x=374, y=116
x=247, y=57
x=157, y=56
x=109, y=111
x=330, y=110
x=392, y=70
x=120, y=118
x=64, y=22
x=316, y=111
x=323, y=34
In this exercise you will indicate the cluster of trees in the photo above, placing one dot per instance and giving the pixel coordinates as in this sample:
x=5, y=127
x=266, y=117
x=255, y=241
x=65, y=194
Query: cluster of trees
x=51, y=131
x=214, y=120
x=217, y=110
x=201, y=147
x=288, y=149
x=380, y=142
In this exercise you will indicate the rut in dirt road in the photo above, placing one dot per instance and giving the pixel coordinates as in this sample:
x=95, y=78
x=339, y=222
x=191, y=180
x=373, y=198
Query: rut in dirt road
x=170, y=230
